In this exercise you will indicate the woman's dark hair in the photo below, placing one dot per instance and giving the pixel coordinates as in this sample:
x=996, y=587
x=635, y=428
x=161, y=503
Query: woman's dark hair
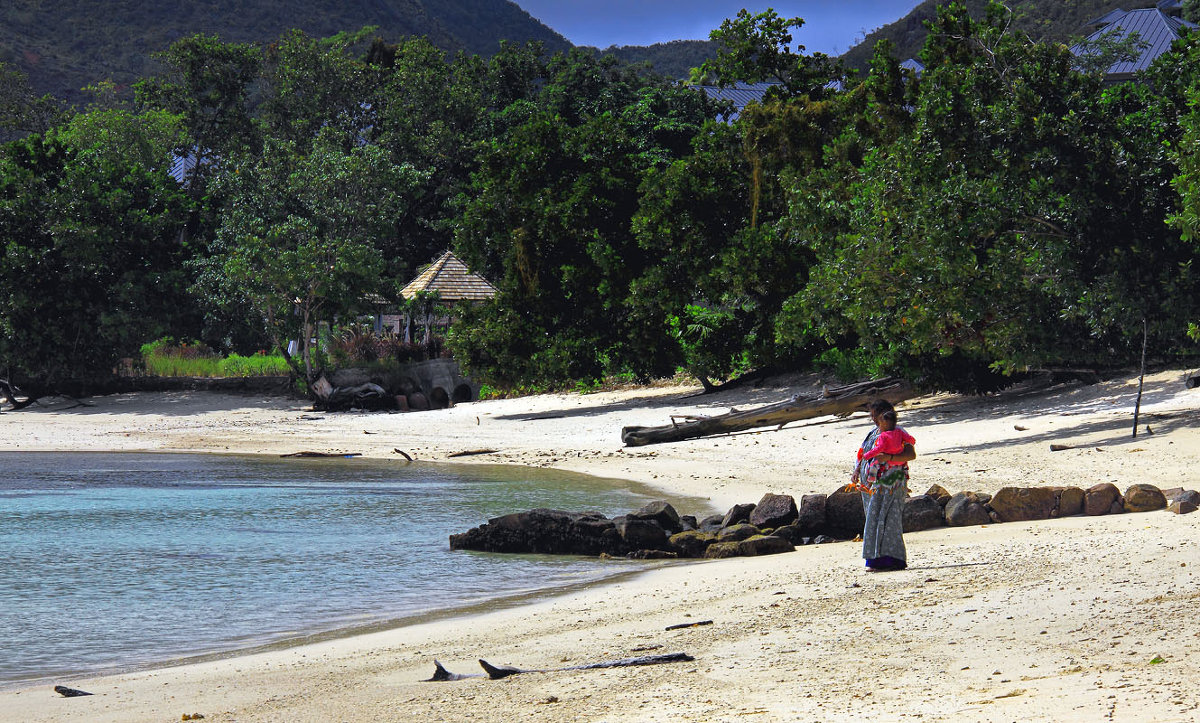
x=880, y=406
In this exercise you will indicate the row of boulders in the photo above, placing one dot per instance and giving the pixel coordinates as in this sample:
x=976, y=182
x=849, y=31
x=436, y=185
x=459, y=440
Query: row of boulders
x=777, y=524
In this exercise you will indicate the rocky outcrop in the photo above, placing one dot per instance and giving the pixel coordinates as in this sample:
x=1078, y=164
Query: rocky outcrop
x=692, y=543
x=547, y=531
x=657, y=531
x=1017, y=504
x=763, y=545
x=811, y=518
x=966, y=508
x=1070, y=501
x=737, y=514
x=774, y=511
x=1102, y=499
x=923, y=513
x=1144, y=498
x=844, y=517
x=660, y=513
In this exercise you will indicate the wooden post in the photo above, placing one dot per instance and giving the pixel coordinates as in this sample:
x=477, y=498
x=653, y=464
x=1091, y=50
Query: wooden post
x=1137, y=407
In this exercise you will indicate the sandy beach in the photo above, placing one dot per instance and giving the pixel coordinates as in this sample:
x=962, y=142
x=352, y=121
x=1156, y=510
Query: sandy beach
x=1082, y=618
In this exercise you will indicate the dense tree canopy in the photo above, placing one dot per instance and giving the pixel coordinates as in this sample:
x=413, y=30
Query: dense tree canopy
x=1005, y=210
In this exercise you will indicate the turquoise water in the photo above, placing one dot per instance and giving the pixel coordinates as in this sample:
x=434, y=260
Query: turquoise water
x=117, y=561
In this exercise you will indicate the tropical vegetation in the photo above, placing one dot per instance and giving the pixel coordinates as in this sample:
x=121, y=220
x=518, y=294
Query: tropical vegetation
x=1004, y=211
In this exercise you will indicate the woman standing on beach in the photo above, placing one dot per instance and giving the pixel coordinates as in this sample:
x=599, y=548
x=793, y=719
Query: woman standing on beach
x=883, y=502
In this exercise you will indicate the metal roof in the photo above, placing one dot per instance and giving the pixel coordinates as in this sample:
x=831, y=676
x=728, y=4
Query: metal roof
x=914, y=65
x=1154, y=28
x=1106, y=18
x=741, y=94
x=452, y=280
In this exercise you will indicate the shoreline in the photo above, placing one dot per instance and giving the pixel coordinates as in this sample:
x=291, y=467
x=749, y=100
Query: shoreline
x=1054, y=620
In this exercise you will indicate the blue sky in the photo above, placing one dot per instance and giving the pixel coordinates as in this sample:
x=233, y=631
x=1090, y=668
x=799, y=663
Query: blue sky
x=830, y=26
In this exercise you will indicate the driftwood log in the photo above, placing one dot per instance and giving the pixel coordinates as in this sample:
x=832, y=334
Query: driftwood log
x=496, y=672
x=1192, y=382
x=9, y=392
x=832, y=401
x=367, y=396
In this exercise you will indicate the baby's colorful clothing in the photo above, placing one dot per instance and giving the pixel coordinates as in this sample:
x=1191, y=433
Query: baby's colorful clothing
x=889, y=442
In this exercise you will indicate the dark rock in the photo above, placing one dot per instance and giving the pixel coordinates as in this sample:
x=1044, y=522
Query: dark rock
x=712, y=523
x=544, y=531
x=1178, y=494
x=651, y=555
x=737, y=533
x=737, y=515
x=641, y=534
x=1070, y=501
x=774, y=511
x=940, y=494
x=660, y=513
x=764, y=545
x=1172, y=493
x=923, y=513
x=844, y=517
x=1182, y=507
x=992, y=515
x=811, y=519
x=1017, y=504
x=1144, y=498
x=688, y=522
x=1191, y=496
x=720, y=550
x=1118, y=507
x=692, y=543
x=418, y=402
x=1099, y=499
x=822, y=540
x=983, y=497
x=964, y=509
x=792, y=533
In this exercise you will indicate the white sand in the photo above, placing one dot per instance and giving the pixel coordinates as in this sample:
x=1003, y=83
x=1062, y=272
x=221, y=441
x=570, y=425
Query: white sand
x=1055, y=620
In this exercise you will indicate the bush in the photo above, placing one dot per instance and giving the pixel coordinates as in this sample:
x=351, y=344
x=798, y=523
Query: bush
x=167, y=358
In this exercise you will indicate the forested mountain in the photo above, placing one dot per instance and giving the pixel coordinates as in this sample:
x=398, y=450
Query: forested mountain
x=64, y=45
x=1053, y=20
x=674, y=59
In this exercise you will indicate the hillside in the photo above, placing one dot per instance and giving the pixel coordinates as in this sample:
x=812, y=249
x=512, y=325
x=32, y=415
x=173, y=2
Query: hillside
x=63, y=45
x=674, y=59
x=1052, y=20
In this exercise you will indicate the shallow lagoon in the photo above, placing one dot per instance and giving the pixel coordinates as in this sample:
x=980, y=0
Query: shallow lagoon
x=117, y=561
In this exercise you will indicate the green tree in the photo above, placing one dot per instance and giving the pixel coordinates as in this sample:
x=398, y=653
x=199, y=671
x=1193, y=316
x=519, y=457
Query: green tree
x=299, y=239
x=208, y=83
x=549, y=219
x=90, y=266
x=21, y=111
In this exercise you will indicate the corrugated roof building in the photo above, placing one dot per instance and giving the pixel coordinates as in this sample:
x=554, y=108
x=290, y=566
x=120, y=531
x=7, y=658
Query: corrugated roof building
x=452, y=280
x=1154, y=28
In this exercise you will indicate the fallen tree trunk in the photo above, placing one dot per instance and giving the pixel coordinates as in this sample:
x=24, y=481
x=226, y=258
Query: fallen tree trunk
x=10, y=392
x=834, y=401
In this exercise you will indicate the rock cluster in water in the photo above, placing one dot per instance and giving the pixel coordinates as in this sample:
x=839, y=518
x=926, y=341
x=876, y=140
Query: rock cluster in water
x=777, y=524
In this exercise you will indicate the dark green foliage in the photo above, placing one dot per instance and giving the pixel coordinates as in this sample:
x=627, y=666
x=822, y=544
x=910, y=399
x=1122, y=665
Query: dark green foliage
x=90, y=263
x=64, y=45
x=1051, y=21
x=673, y=60
x=549, y=221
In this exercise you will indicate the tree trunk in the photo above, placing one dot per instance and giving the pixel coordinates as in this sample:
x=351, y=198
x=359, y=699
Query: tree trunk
x=835, y=401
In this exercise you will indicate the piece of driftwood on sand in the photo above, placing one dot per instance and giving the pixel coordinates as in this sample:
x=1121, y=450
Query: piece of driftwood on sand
x=831, y=401
x=496, y=672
